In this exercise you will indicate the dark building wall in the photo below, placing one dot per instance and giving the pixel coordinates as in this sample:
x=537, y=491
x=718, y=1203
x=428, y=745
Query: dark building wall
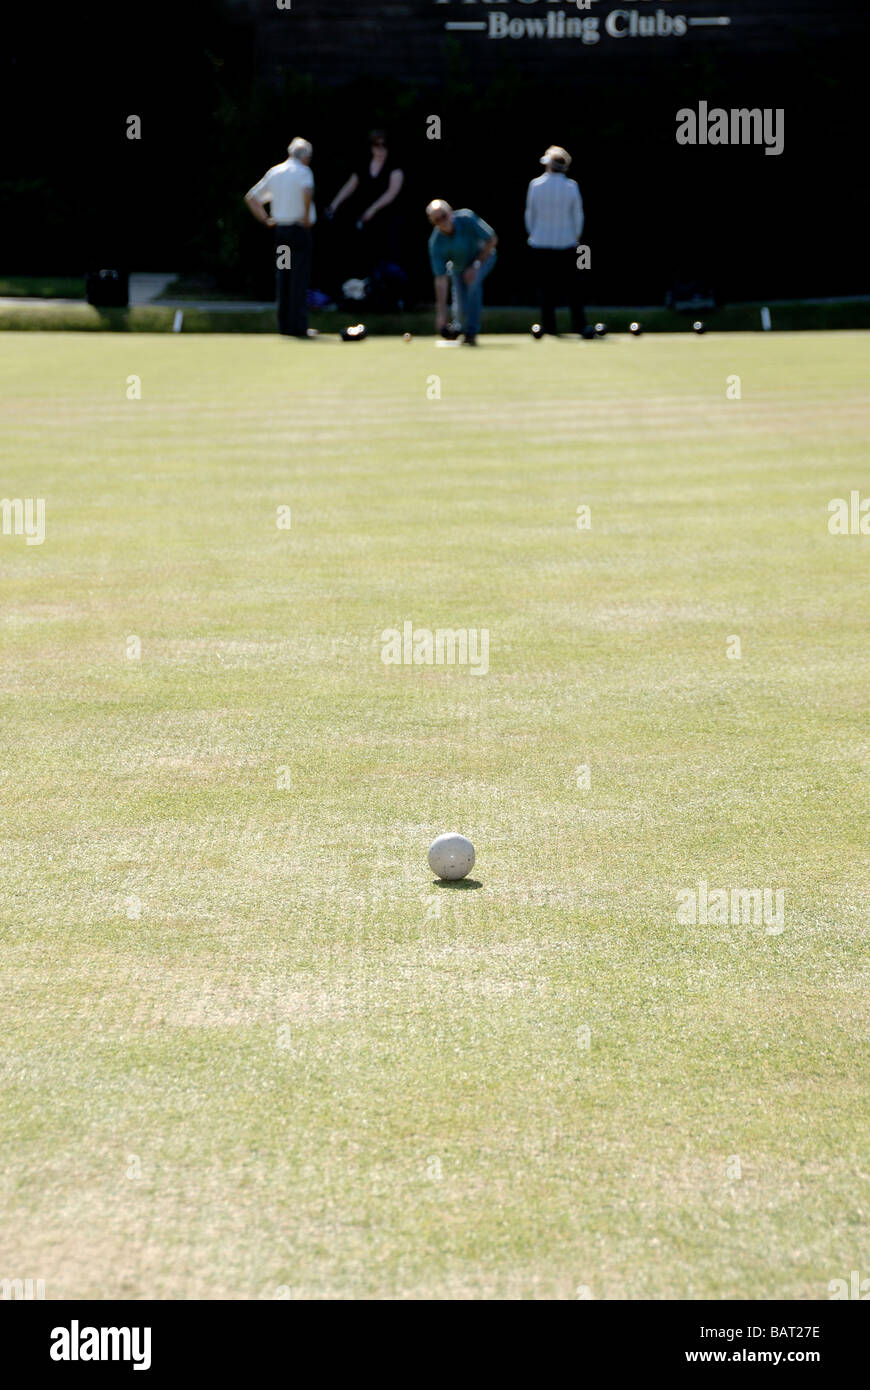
x=745, y=223
x=221, y=85
x=341, y=40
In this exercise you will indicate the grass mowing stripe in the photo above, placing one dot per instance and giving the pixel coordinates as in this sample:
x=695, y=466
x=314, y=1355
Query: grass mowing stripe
x=247, y=1044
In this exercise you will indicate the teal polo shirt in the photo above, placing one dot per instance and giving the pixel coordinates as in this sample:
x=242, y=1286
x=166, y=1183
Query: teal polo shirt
x=462, y=248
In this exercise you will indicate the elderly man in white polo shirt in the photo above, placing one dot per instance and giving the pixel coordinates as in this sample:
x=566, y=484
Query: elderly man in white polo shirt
x=554, y=222
x=289, y=187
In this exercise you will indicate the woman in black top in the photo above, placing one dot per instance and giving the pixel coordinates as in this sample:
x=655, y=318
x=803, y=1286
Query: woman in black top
x=374, y=188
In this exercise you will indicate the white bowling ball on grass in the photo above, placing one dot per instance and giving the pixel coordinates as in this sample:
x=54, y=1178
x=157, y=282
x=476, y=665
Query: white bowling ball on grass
x=451, y=856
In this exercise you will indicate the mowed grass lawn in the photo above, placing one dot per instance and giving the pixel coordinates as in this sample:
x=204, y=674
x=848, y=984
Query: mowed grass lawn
x=250, y=1050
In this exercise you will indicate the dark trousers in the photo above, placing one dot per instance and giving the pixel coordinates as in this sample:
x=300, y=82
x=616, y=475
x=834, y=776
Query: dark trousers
x=292, y=280
x=559, y=282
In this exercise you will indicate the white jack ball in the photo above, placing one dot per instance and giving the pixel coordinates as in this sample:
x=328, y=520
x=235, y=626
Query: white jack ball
x=451, y=856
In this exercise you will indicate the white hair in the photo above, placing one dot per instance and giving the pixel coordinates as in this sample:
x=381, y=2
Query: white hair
x=298, y=147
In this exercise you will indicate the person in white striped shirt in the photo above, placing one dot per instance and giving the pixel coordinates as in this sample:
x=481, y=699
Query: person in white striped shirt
x=554, y=222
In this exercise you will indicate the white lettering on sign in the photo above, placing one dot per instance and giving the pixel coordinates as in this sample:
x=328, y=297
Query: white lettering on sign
x=558, y=19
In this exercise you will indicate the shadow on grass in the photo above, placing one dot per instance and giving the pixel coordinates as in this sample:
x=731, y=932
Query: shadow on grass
x=115, y=320
x=456, y=883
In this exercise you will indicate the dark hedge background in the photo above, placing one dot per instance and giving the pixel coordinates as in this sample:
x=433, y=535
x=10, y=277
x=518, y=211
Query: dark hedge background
x=75, y=193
